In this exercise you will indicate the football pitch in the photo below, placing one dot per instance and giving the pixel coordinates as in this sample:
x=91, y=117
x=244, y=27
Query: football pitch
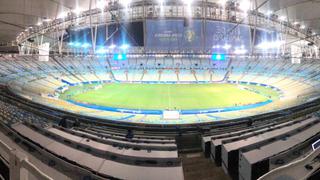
x=169, y=96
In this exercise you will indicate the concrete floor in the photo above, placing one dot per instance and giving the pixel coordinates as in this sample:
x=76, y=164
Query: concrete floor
x=197, y=167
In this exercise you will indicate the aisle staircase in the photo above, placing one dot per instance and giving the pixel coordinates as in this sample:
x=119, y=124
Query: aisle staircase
x=160, y=72
x=177, y=73
x=229, y=71
x=194, y=75
x=211, y=75
x=127, y=78
x=144, y=72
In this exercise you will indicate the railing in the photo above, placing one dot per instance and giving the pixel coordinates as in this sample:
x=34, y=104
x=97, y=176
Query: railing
x=16, y=163
x=287, y=168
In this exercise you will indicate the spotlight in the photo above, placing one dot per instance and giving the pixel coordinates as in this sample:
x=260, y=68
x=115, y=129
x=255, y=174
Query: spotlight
x=101, y=4
x=269, y=13
x=218, y=57
x=282, y=18
x=240, y=51
x=101, y=50
x=85, y=45
x=227, y=46
x=188, y=2
x=161, y=2
x=124, y=47
x=77, y=11
x=245, y=5
x=62, y=15
x=271, y=45
x=222, y=2
x=112, y=46
x=120, y=57
x=125, y=3
x=77, y=44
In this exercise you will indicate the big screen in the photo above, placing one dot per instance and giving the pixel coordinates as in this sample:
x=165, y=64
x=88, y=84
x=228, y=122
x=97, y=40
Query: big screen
x=223, y=33
x=174, y=34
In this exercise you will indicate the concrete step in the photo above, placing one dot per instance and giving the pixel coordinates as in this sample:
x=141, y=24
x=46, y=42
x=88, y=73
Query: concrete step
x=196, y=166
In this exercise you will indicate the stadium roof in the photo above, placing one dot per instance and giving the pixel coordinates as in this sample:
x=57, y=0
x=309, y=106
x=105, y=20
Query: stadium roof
x=17, y=15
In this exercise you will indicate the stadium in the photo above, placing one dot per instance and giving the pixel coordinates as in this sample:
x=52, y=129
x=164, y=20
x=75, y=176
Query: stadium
x=159, y=89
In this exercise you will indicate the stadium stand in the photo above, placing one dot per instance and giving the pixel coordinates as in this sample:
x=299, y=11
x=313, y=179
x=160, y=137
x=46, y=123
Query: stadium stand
x=296, y=86
x=230, y=150
x=124, y=157
x=305, y=167
x=93, y=140
x=253, y=163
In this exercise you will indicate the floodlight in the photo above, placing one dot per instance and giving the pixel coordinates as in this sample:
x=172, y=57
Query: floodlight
x=77, y=44
x=271, y=45
x=222, y=2
x=245, y=5
x=161, y=2
x=282, y=18
x=188, y=2
x=120, y=57
x=124, y=46
x=240, y=51
x=101, y=4
x=227, y=46
x=77, y=11
x=218, y=57
x=269, y=13
x=62, y=15
x=101, y=50
x=112, y=46
x=125, y=3
x=85, y=45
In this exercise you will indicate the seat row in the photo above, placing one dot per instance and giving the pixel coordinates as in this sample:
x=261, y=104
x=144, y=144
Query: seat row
x=248, y=154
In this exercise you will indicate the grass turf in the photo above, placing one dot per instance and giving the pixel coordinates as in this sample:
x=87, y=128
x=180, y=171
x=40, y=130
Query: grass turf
x=168, y=96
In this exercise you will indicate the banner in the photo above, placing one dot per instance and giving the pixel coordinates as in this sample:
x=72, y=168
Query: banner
x=220, y=34
x=126, y=33
x=169, y=35
x=262, y=36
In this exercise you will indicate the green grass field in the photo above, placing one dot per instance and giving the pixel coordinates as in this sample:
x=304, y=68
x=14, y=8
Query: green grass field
x=168, y=96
